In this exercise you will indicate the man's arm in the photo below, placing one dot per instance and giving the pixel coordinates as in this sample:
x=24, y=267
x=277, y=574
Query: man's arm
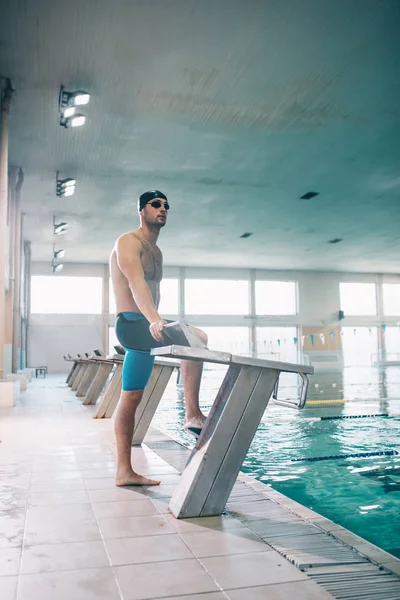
x=128, y=259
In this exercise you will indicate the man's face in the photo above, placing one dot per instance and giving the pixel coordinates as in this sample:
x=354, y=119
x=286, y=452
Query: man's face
x=155, y=212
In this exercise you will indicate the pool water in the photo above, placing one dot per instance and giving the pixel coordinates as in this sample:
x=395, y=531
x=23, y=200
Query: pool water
x=361, y=494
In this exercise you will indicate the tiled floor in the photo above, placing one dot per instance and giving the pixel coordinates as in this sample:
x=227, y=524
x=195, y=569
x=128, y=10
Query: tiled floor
x=66, y=532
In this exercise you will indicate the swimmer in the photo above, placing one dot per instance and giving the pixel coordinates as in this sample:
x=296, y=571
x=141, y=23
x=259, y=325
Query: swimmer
x=136, y=272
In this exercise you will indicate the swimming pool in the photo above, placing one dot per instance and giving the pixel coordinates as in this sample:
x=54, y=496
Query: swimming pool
x=360, y=493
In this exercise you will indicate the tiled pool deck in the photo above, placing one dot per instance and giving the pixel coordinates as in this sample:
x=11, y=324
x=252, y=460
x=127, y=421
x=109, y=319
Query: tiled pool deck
x=66, y=532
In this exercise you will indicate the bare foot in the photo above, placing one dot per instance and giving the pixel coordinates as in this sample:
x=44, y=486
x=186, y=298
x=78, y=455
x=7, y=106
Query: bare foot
x=195, y=425
x=196, y=422
x=132, y=478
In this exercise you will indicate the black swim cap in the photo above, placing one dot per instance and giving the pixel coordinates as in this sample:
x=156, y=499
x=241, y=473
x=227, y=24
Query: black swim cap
x=147, y=196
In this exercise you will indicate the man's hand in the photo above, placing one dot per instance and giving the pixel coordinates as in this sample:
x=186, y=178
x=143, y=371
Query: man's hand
x=156, y=330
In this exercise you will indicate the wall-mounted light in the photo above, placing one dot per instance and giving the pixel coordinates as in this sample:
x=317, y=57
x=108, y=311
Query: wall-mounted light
x=65, y=187
x=58, y=253
x=57, y=267
x=59, y=228
x=66, y=105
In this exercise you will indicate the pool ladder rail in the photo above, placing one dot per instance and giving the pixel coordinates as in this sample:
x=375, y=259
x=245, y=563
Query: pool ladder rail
x=299, y=404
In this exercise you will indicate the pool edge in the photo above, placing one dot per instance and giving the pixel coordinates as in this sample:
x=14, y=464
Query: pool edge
x=373, y=553
x=361, y=545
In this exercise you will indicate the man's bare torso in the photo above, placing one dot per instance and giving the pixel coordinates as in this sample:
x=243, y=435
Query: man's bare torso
x=151, y=260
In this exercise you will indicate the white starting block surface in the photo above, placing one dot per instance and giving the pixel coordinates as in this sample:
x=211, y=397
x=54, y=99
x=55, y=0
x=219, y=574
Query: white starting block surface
x=178, y=333
x=215, y=461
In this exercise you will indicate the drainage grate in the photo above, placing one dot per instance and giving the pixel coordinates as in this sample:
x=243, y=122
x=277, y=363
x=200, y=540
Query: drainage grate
x=340, y=570
x=314, y=550
x=368, y=583
x=304, y=545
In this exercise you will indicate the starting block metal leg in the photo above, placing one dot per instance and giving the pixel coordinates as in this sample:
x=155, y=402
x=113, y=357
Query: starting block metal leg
x=152, y=395
x=113, y=391
x=97, y=384
x=79, y=376
x=87, y=379
x=71, y=372
x=215, y=462
x=74, y=374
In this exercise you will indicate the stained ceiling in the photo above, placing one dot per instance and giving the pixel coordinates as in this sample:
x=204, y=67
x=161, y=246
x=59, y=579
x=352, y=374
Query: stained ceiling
x=233, y=109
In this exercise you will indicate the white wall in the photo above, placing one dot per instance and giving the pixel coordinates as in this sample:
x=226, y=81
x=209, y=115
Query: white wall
x=52, y=336
x=7, y=359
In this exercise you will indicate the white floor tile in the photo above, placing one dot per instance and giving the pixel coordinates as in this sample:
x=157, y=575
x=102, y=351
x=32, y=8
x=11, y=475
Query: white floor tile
x=63, y=557
x=146, y=549
x=248, y=570
x=155, y=580
x=91, y=584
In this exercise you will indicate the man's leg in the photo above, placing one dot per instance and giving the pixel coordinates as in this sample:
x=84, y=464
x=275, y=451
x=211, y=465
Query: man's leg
x=135, y=375
x=191, y=371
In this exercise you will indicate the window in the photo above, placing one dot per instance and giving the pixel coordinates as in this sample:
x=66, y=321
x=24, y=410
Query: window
x=360, y=346
x=111, y=299
x=169, y=292
x=277, y=343
x=235, y=340
x=392, y=342
x=112, y=340
x=358, y=299
x=391, y=298
x=216, y=297
x=276, y=298
x=66, y=295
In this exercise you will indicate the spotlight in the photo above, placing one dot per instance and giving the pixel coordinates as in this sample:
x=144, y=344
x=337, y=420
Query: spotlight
x=65, y=187
x=78, y=98
x=59, y=228
x=69, y=112
x=67, y=102
x=76, y=120
x=59, y=253
x=57, y=268
x=81, y=98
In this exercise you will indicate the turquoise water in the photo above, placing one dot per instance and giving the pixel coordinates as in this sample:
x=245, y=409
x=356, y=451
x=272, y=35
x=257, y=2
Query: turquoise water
x=361, y=494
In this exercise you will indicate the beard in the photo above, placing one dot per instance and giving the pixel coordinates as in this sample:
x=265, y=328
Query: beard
x=159, y=223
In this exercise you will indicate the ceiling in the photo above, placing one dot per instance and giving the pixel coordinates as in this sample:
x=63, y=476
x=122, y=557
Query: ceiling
x=233, y=109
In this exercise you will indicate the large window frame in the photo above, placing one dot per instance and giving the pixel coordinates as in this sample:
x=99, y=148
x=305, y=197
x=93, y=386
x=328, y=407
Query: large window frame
x=348, y=291
x=388, y=302
x=79, y=291
x=278, y=290
x=169, y=307
x=228, y=306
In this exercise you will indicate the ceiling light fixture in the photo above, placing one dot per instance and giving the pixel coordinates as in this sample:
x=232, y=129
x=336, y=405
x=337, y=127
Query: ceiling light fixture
x=246, y=235
x=65, y=187
x=59, y=228
x=68, y=112
x=335, y=241
x=309, y=195
x=66, y=105
x=76, y=120
x=78, y=98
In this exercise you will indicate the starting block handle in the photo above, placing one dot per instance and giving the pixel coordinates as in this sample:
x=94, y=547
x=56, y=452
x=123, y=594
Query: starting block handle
x=289, y=403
